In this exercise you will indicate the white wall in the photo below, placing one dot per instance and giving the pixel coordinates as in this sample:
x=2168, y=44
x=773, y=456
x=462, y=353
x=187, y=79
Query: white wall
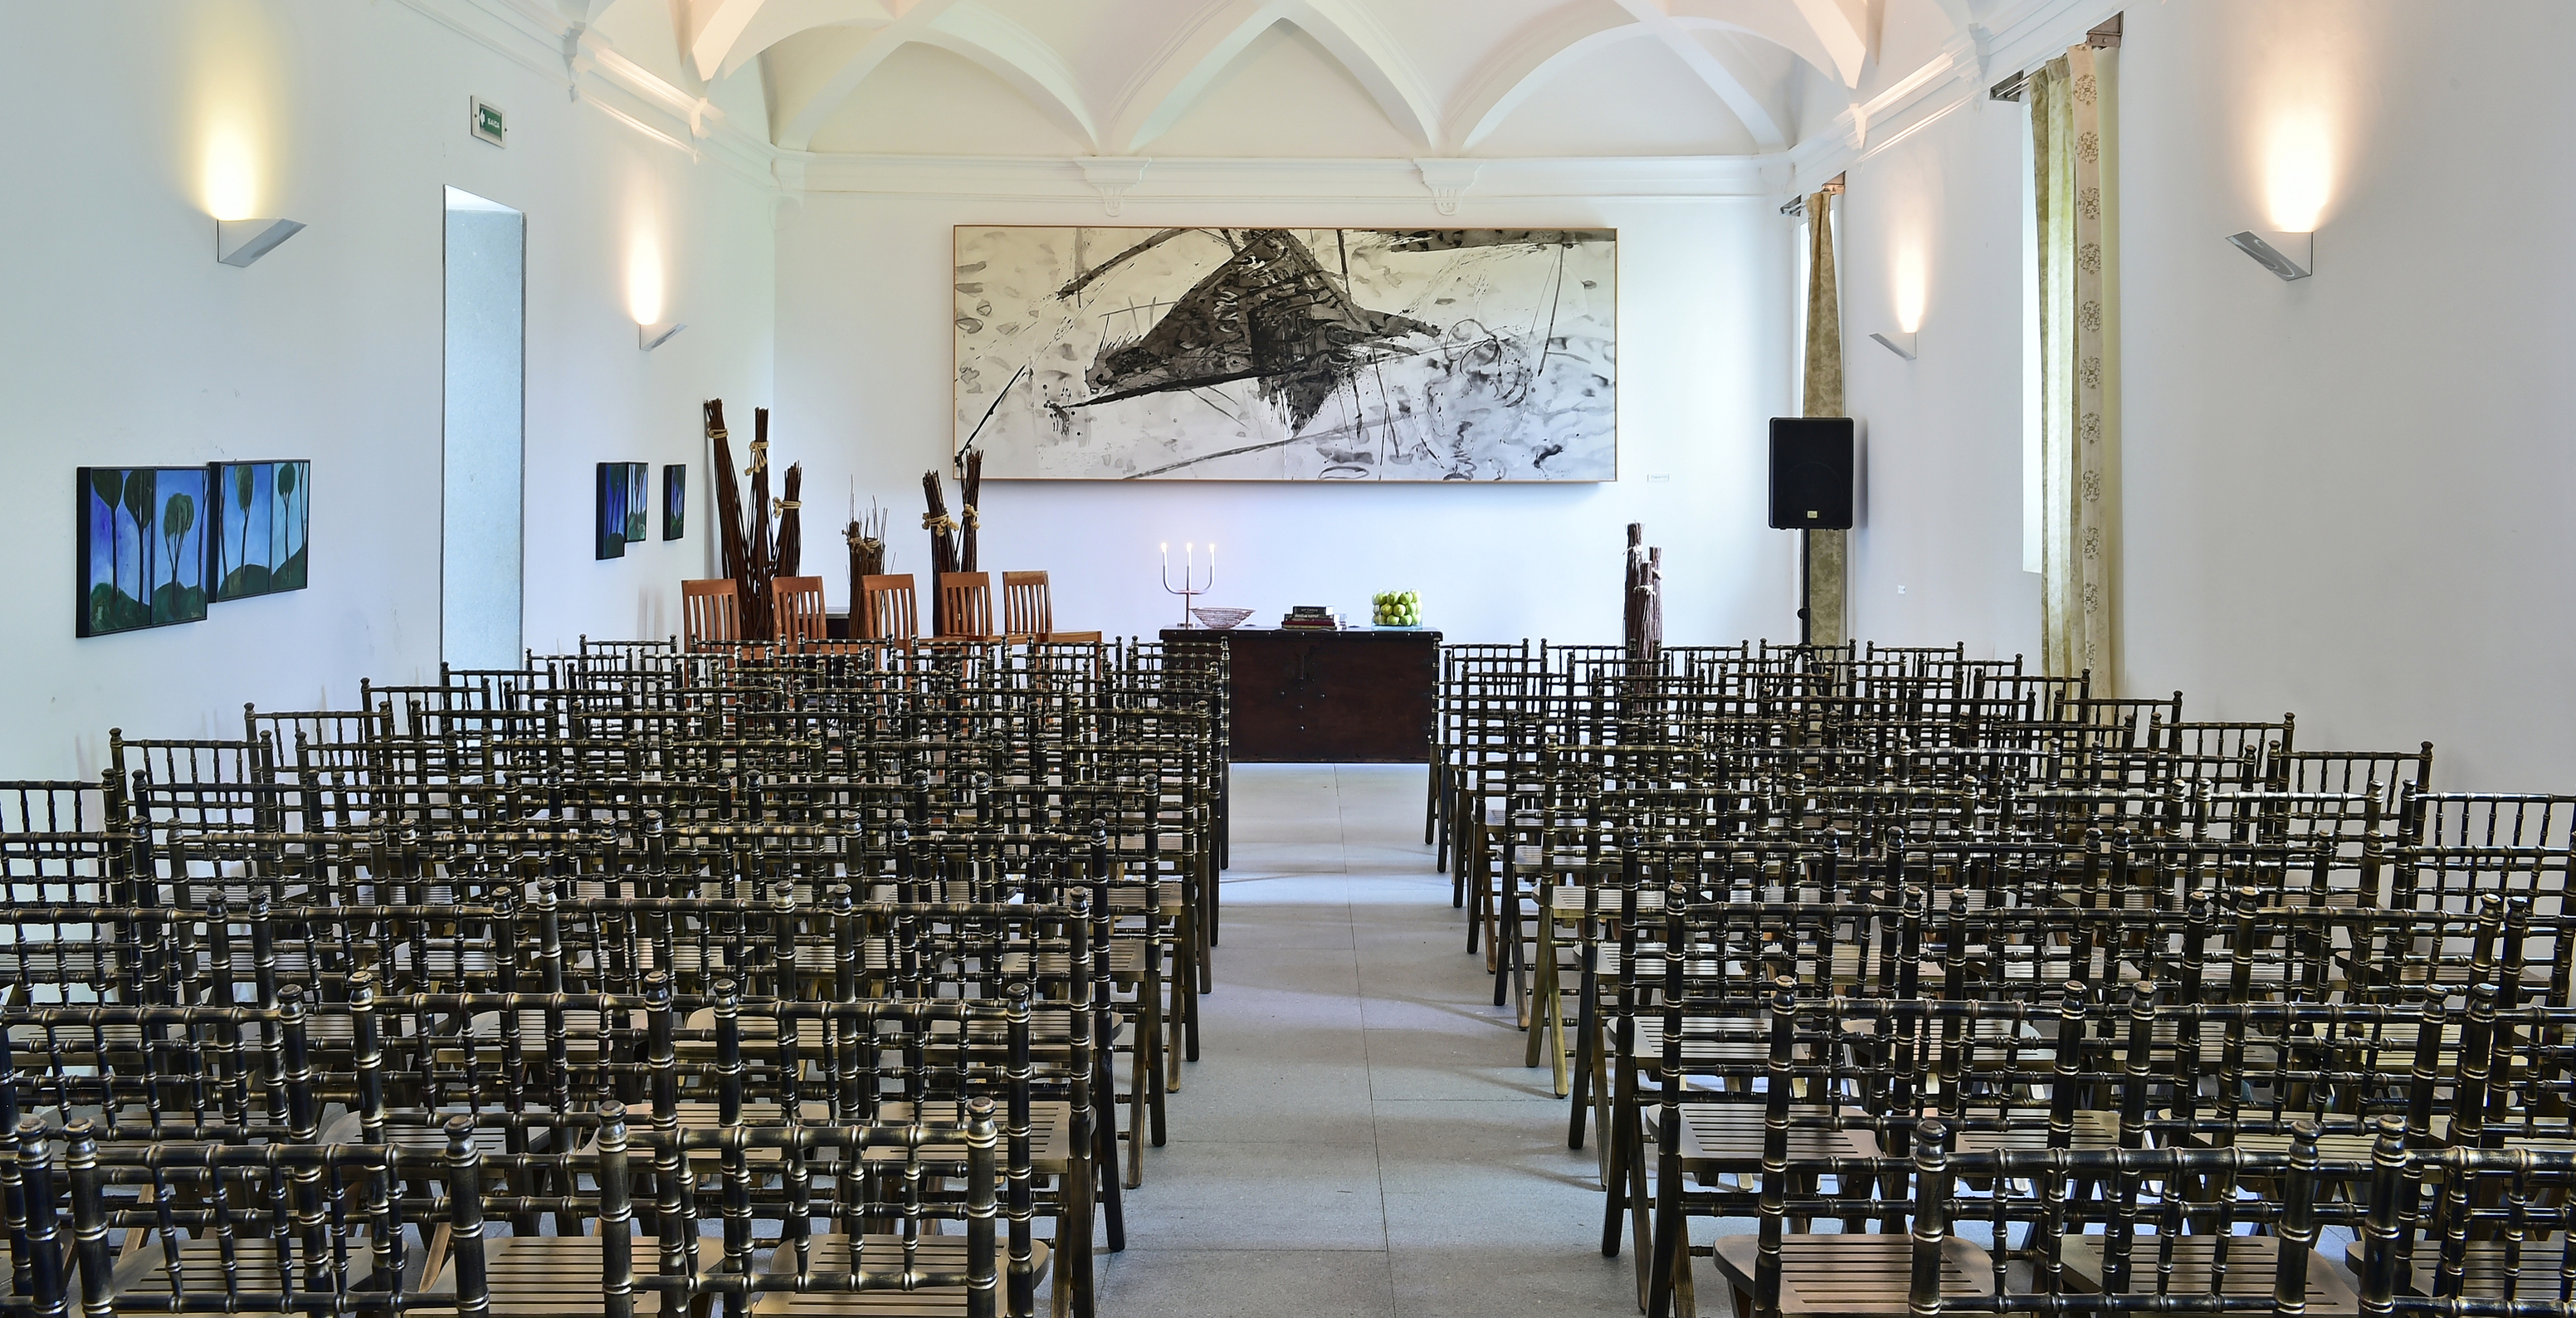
x=1942, y=492
x=864, y=304
x=2343, y=497
x=128, y=344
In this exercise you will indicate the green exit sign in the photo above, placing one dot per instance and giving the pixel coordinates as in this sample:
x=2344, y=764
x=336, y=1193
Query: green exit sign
x=488, y=122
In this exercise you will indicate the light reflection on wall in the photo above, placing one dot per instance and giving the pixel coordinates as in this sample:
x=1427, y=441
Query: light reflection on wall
x=2298, y=172
x=644, y=278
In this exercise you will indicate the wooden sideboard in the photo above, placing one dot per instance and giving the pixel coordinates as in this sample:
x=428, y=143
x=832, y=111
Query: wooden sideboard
x=1345, y=697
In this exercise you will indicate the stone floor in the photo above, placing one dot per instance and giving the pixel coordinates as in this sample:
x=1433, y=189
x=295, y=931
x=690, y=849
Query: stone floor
x=1359, y=1136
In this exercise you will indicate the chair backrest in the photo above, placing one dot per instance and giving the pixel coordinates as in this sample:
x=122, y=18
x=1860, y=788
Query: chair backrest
x=796, y=608
x=965, y=603
x=1026, y=609
x=886, y=609
x=710, y=611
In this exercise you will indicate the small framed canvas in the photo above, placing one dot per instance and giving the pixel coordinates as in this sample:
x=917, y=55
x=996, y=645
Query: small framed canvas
x=639, y=500
x=262, y=513
x=142, y=552
x=675, y=500
x=610, y=539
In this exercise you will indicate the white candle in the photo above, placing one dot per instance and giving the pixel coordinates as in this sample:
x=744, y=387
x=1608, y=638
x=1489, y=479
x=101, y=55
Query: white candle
x=1211, y=556
x=1189, y=555
x=1167, y=554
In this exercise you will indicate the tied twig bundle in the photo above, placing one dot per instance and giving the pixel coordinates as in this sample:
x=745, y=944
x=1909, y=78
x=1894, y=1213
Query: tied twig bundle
x=728, y=497
x=762, y=563
x=973, y=481
x=943, y=546
x=866, y=537
x=791, y=523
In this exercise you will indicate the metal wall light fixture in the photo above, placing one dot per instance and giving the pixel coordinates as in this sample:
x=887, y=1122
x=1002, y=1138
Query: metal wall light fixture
x=653, y=336
x=1900, y=342
x=240, y=242
x=2289, y=255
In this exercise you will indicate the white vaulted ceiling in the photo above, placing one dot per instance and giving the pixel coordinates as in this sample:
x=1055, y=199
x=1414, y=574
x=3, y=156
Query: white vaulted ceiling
x=1294, y=78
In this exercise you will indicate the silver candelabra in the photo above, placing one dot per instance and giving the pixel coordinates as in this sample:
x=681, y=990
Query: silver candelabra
x=1191, y=586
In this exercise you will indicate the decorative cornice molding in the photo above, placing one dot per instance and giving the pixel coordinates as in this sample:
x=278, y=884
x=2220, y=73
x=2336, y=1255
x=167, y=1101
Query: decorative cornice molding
x=2035, y=31
x=1111, y=176
x=592, y=71
x=1394, y=181
x=1447, y=178
x=532, y=35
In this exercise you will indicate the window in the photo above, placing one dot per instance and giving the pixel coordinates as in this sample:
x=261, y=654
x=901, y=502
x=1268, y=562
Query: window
x=479, y=511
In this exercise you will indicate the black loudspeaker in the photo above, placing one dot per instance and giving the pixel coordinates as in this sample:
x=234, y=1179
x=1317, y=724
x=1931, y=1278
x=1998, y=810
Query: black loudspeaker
x=1811, y=473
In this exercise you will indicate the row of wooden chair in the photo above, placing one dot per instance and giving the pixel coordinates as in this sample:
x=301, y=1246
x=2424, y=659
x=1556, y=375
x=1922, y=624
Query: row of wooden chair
x=887, y=610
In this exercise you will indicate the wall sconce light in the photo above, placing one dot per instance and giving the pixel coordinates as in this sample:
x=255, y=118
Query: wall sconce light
x=1900, y=342
x=655, y=335
x=240, y=242
x=2289, y=255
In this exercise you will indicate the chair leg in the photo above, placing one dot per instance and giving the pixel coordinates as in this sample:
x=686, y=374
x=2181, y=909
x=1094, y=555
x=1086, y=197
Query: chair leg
x=1139, y=1082
x=1584, y=1025
x=1113, y=1214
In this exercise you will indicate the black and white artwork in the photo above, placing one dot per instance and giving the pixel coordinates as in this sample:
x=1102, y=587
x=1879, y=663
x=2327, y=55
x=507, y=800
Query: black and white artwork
x=1288, y=354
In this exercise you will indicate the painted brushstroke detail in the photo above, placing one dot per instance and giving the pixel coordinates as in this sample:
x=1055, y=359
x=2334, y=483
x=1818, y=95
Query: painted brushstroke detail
x=1279, y=354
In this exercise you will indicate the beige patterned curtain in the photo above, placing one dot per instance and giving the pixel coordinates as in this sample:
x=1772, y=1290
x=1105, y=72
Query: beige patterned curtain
x=2079, y=454
x=1827, y=609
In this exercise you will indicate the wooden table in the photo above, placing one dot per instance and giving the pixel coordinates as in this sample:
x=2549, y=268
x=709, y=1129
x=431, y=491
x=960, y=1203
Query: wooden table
x=1331, y=697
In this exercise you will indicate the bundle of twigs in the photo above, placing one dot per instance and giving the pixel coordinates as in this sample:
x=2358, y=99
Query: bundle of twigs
x=760, y=564
x=973, y=480
x=728, y=498
x=943, y=545
x=867, y=547
x=791, y=523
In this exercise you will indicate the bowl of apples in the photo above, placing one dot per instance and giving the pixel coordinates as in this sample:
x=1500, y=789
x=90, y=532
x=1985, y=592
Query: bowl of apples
x=1395, y=608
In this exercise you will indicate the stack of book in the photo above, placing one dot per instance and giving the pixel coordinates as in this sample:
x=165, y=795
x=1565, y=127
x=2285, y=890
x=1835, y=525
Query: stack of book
x=1309, y=617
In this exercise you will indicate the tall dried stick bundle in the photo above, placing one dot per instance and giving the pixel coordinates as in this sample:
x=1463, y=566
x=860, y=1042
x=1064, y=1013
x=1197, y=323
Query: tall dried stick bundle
x=943, y=545
x=762, y=563
x=967, y=517
x=728, y=497
x=866, y=536
x=791, y=523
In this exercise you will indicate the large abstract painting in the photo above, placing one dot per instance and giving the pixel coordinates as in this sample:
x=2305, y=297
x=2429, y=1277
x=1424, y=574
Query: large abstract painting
x=1288, y=354
x=263, y=510
x=142, y=547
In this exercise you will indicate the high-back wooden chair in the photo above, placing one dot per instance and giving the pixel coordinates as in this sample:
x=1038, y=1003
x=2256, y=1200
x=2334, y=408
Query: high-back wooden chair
x=1028, y=611
x=886, y=609
x=796, y=609
x=966, y=604
x=710, y=611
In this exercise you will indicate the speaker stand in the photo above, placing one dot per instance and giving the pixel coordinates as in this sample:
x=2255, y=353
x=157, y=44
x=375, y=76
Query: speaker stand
x=1806, y=569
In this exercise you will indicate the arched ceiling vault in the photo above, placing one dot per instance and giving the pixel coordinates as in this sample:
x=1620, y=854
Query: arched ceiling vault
x=1143, y=65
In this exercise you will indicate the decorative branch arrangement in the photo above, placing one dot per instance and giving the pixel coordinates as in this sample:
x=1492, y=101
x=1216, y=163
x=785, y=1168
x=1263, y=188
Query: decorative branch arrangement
x=972, y=478
x=755, y=600
x=753, y=554
x=791, y=523
x=943, y=545
x=866, y=536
